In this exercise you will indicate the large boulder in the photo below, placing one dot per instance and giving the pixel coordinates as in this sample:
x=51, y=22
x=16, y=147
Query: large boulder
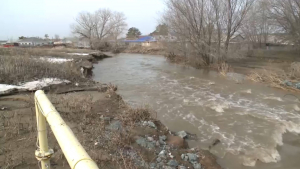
x=176, y=141
x=86, y=64
x=99, y=55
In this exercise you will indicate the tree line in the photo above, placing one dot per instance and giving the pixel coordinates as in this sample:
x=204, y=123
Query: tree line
x=203, y=28
x=207, y=26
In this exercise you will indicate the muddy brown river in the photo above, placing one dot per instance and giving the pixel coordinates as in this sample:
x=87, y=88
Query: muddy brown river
x=258, y=127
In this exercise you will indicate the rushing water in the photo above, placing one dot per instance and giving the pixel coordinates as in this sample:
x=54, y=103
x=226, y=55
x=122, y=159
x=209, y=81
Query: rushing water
x=250, y=119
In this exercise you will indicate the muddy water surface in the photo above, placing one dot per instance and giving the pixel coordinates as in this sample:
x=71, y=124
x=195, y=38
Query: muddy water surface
x=257, y=125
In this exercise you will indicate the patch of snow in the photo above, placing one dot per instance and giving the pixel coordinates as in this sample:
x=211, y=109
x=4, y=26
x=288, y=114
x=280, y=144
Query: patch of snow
x=56, y=60
x=80, y=54
x=4, y=87
x=34, y=85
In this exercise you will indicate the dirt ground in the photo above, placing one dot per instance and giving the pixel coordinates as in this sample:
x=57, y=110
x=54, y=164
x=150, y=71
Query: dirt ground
x=90, y=115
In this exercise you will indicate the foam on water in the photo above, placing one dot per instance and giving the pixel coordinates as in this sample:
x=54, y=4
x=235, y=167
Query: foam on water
x=274, y=98
x=241, y=142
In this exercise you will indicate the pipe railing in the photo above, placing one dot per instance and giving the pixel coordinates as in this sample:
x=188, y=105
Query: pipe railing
x=75, y=154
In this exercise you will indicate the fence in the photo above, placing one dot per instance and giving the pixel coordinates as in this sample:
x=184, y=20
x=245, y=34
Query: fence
x=76, y=156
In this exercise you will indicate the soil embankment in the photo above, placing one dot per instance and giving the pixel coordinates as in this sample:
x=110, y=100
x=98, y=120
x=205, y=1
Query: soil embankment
x=145, y=50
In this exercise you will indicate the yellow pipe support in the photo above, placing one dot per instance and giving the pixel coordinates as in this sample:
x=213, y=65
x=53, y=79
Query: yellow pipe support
x=76, y=156
x=43, y=141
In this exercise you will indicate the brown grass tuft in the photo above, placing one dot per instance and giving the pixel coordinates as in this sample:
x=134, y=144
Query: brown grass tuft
x=16, y=69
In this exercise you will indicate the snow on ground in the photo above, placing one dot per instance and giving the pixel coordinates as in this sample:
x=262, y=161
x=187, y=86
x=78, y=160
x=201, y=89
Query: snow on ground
x=81, y=54
x=33, y=85
x=55, y=60
x=4, y=87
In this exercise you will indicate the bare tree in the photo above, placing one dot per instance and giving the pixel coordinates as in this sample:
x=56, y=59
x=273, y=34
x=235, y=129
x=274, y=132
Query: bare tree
x=202, y=24
x=258, y=24
x=99, y=26
x=236, y=11
x=287, y=15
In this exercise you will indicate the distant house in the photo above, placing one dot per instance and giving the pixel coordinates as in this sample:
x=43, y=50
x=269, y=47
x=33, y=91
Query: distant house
x=237, y=39
x=62, y=42
x=82, y=43
x=33, y=41
x=142, y=41
x=3, y=42
x=279, y=39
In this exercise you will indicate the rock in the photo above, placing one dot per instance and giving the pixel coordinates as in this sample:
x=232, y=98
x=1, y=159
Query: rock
x=152, y=165
x=141, y=141
x=145, y=123
x=150, y=145
x=158, y=159
x=160, y=164
x=150, y=138
x=86, y=64
x=176, y=141
x=157, y=143
x=186, y=158
x=99, y=55
x=151, y=124
x=162, y=154
x=196, y=165
x=192, y=157
x=163, y=138
x=182, y=156
x=181, y=167
x=182, y=134
x=297, y=85
x=173, y=163
x=115, y=125
x=287, y=83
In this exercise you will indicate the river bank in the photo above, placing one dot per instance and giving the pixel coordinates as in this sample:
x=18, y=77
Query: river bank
x=114, y=134
x=279, y=68
x=157, y=50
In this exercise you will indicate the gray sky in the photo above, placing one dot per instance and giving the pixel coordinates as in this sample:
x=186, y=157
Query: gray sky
x=40, y=17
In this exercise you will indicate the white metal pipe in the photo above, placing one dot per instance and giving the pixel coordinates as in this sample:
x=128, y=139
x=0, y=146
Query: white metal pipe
x=76, y=156
x=42, y=135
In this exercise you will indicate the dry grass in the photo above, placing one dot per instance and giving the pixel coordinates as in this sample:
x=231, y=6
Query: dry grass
x=49, y=52
x=32, y=52
x=22, y=68
x=223, y=68
x=277, y=77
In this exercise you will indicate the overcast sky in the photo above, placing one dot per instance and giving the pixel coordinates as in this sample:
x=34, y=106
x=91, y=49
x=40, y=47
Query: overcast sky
x=40, y=17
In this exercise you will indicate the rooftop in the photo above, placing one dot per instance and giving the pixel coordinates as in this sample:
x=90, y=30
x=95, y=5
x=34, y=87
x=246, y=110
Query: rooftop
x=32, y=39
x=142, y=39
